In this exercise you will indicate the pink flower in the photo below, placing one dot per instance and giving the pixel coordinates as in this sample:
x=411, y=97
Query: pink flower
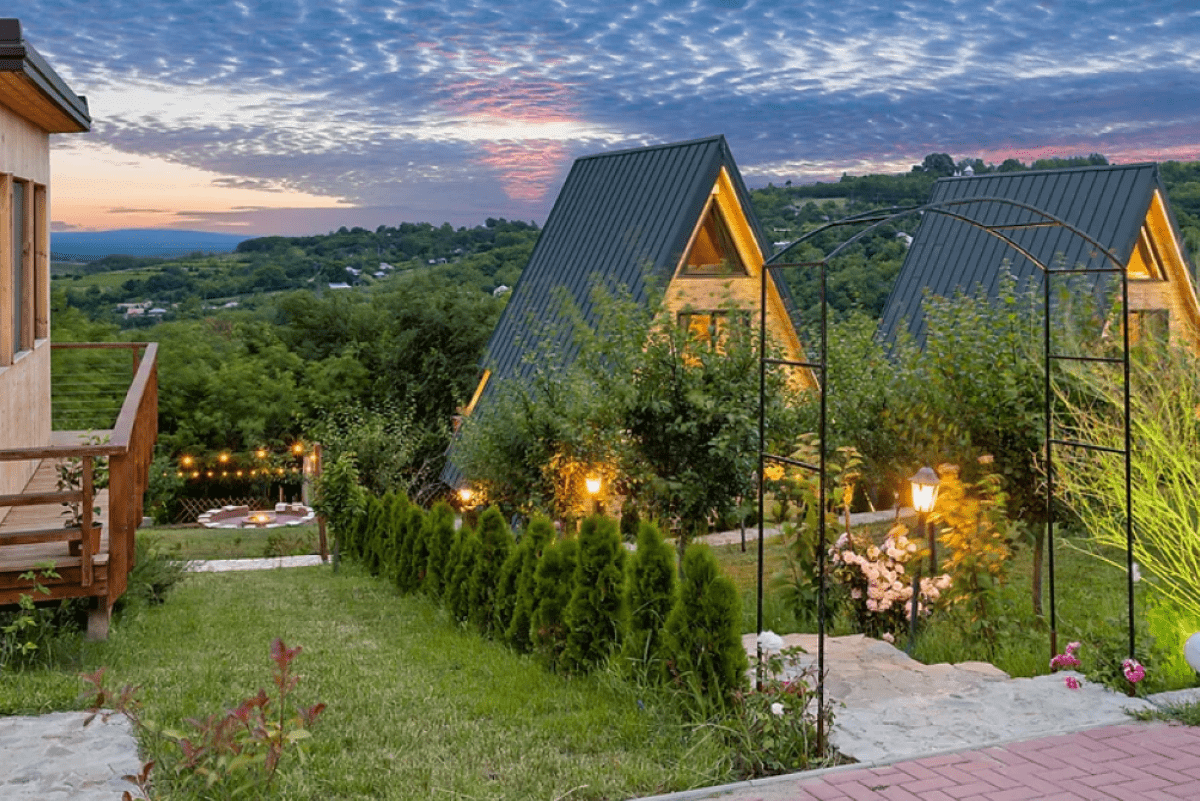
x=1072, y=683
x=1067, y=659
x=1133, y=670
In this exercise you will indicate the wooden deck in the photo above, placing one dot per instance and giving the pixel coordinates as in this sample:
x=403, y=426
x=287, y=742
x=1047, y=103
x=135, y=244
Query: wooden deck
x=94, y=557
x=19, y=558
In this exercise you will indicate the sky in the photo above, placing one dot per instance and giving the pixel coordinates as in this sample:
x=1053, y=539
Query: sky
x=298, y=116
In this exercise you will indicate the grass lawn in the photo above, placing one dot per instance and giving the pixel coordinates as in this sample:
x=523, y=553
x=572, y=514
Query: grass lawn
x=417, y=707
x=197, y=542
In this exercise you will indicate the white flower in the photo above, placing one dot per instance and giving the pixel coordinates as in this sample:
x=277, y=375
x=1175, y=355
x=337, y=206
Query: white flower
x=888, y=638
x=777, y=709
x=770, y=642
x=1137, y=573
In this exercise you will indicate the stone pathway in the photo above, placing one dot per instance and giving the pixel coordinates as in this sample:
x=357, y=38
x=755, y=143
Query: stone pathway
x=890, y=706
x=53, y=757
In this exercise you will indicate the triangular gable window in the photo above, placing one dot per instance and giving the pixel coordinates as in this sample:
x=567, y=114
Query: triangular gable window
x=713, y=252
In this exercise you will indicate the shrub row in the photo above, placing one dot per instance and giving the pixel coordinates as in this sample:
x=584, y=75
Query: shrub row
x=573, y=603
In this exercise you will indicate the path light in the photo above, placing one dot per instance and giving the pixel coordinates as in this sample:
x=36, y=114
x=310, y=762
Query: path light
x=1191, y=651
x=465, y=495
x=924, y=494
x=593, y=487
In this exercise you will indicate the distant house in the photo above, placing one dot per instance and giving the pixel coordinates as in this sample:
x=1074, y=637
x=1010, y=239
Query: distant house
x=91, y=553
x=1124, y=208
x=672, y=223
x=339, y=285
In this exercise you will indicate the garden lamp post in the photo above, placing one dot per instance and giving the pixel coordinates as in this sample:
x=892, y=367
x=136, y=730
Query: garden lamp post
x=593, y=487
x=924, y=493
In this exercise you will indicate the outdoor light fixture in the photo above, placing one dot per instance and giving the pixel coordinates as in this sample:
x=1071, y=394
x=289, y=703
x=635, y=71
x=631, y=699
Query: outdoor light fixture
x=924, y=490
x=223, y=458
x=924, y=493
x=298, y=448
x=1191, y=651
x=593, y=485
x=187, y=461
x=261, y=453
x=466, y=494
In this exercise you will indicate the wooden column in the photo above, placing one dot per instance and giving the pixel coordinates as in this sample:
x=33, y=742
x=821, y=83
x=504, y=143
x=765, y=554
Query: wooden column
x=29, y=268
x=7, y=346
x=41, y=262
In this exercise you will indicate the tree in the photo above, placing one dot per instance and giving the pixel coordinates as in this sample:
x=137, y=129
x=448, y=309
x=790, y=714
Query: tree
x=494, y=543
x=940, y=164
x=538, y=537
x=703, y=640
x=595, y=615
x=553, y=584
x=439, y=531
x=651, y=594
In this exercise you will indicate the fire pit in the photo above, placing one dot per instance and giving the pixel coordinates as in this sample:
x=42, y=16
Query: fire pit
x=285, y=514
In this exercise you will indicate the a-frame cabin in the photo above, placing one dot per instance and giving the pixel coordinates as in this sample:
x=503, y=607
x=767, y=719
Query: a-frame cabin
x=1123, y=207
x=670, y=223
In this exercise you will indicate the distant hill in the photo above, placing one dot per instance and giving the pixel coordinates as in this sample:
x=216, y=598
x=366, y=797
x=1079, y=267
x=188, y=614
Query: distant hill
x=163, y=242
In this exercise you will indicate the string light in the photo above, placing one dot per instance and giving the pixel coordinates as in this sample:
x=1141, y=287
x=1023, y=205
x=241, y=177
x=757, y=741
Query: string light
x=223, y=458
x=187, y=461
x=261, y=453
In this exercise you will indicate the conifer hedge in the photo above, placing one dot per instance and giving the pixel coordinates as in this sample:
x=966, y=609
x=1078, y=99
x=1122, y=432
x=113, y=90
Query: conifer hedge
x=571, y=602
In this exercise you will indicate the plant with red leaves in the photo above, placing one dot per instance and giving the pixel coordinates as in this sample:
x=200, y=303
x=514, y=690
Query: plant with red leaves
x=239, y=749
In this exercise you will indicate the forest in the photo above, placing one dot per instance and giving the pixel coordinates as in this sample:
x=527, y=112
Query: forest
x=259, y=350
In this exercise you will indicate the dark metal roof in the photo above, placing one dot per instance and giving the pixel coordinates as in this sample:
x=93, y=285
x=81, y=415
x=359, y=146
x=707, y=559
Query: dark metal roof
x=1108, y=203
x=57, y=108
x=622, y=220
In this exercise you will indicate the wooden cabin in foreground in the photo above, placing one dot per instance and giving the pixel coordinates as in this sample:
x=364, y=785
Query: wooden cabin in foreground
x=1123, y=207
x=672, y=224
x=90, y=553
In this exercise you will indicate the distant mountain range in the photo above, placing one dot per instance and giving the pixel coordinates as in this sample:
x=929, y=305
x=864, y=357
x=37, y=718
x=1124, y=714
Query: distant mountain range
x=163, y=242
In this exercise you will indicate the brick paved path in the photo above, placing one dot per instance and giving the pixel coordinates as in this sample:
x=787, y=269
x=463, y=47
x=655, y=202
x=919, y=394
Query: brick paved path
x=1131, y=762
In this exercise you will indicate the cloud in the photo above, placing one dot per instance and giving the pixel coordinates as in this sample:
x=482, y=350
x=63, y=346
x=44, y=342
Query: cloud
x=440, y=102
x=59, y=226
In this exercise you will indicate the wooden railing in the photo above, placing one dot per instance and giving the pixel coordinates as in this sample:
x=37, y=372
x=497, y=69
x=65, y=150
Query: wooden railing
x=129, y=448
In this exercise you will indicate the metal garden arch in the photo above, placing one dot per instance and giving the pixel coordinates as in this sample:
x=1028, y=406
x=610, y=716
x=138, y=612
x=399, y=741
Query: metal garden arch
x=949, y=208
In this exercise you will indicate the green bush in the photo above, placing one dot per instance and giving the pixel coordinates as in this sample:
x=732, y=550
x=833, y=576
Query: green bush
x=651, y=594
x=419, y=551
x=458, y=594
x=494, y=543
x=595, y=616
x=399, y=555
x=438, y=531
x=339, y=498
x=702, y=636
x=506, y=588
x=552, y=585
x=538, y=536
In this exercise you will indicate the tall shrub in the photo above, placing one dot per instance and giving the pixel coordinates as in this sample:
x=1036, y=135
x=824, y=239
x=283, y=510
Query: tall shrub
x=376, y=521
x=338, y=496
x=595, y=615
x=651, y=594
x=538, y=536
x=458, y=593
x=439, y=532
x=552, y=590
x=494, y=543
x=418, y=546
x=401, y=557
x=702, y=638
